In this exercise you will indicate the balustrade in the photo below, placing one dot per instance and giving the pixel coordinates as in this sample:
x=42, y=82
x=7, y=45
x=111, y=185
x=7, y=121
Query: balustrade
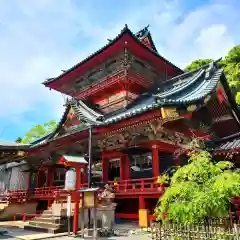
x=137, y=185
x=144, y=185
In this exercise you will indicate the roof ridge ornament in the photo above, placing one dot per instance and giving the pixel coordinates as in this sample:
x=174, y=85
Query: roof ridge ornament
x=125, y=28
x=143, y=32
x=210, y=70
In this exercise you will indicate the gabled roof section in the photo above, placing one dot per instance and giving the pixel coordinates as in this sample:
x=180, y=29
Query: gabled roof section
x=75, y=110
x=125, y=31
x=74, y=159
x=84, y=113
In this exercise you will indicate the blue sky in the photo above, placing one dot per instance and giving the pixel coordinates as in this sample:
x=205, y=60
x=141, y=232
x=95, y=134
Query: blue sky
x=40, y=38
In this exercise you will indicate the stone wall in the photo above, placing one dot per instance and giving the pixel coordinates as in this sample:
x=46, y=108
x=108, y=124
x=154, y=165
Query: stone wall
x=18, y=209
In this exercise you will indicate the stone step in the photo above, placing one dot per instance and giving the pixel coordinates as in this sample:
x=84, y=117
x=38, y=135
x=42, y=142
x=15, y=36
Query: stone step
x=48, y=219
x=46, y=216
x=45, y=230
x=51, y=219
x=47, y=211
x=45, y=224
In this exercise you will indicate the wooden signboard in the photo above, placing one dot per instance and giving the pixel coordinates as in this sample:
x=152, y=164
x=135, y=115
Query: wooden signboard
x=89, y=199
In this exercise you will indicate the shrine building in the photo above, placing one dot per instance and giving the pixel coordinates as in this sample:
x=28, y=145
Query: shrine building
x=142, y=111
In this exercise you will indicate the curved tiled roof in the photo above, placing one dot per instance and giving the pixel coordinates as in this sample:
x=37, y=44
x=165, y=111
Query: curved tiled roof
x=194, y=86
x=13, y=145
x=191, y=86
x=124, y=31
x=232, y=145
x=143, y=105
x=84, y=113
x=186, y=89
x=231, y=142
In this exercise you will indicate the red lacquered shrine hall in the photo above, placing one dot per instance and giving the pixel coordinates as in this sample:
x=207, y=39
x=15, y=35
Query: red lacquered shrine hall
x=142, y=109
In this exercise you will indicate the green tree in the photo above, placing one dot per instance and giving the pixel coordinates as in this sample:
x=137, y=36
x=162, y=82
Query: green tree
x=199, y=189
x=231, y=65
x=39, y=131
x=18, y=140
x=197, y=64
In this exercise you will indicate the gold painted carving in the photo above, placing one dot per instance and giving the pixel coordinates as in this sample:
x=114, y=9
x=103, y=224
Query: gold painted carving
x=20, y=153
x=169, y=113
x=191, y=108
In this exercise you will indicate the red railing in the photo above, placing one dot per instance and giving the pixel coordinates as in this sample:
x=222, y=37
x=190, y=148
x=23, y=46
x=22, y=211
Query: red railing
x=44, y=192
x=137, y=185
x=144, y=185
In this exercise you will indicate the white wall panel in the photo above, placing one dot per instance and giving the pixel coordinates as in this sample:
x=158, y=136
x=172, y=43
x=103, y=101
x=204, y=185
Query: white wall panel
x=19, y=179
x=5, y=175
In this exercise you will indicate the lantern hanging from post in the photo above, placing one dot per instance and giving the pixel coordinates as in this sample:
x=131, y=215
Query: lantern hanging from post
x=70, y=179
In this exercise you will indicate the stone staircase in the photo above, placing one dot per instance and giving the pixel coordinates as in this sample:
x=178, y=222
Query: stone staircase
x=47, y=222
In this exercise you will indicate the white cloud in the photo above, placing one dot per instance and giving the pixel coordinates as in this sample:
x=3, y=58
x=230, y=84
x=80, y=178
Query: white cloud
x=214, y=41
x=203, y=33
x=39, y=38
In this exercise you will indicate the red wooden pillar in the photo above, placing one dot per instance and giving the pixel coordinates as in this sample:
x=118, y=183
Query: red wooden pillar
x=40, y=175
x=155, y=160
x=142, y=204
x=127, y=167
x=105, y=169
x=75, y=217
x=76, y=205
x=122, y=168
x=50, y=180
x=143, y=213
x=85, y=173
x=50, y=176
x=78, y=178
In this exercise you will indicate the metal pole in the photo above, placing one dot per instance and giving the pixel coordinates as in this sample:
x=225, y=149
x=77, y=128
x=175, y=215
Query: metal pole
x=89, y=170
x=82, y=217
x=69, y=213
x=69, y=225
x=90, y=158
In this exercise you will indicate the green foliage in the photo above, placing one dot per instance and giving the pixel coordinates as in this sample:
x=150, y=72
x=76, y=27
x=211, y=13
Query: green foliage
x=164, y=179
x=233, y=55
x=39, y=131
x=231, y=65
x=199, y=189
x=238, y=98
x=18, y=140
x=197, y=64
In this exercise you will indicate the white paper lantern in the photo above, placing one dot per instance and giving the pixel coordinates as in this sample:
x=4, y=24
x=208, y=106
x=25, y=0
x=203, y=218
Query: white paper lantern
x=70, y=179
